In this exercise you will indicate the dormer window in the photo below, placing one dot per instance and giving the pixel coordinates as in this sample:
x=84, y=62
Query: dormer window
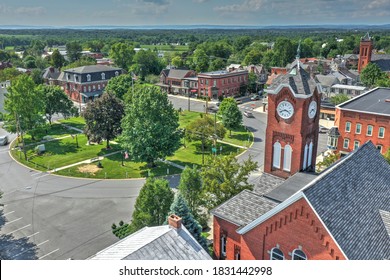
x=88, y=78
x=68, y=77
x=103, y=76
x=116, y=73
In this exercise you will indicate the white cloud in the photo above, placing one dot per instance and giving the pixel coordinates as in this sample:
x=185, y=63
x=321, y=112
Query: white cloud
x=30, y=11
x=246, y=6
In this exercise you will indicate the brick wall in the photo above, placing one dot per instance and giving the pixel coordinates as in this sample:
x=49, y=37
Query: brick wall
x=295, y=227
x=364, y=119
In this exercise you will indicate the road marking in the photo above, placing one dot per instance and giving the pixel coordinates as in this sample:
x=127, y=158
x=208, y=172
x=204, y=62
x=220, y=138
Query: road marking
x=13, y=221
x=36, y=174
x=42, y=176
x=33, y=234
x=19, y=229
x=42, y=243
x=8, y=213
x=49, y=253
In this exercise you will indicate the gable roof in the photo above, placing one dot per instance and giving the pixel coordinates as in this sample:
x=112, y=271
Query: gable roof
x=155, y=243
x=326, y=80
x=51, y=73
x=178, y=73
x=348, y=199
x=385, y=215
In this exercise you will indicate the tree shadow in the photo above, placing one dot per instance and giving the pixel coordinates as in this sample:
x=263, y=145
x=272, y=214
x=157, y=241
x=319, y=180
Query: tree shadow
x=16, y=248
x=257, y=139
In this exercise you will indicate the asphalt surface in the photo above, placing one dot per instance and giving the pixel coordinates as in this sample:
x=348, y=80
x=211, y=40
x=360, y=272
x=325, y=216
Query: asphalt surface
x=51, y=217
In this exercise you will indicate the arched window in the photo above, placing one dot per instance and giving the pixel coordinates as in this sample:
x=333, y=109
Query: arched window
x=305, y=157
x=103, y=76
x=298, y=255
x=276, y=254
x=88, y=78
x=287, y=158
x=277, y=154
x=310, y=156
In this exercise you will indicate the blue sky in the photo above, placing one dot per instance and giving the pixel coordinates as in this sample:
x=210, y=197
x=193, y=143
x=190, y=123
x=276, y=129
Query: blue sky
x=185, y=12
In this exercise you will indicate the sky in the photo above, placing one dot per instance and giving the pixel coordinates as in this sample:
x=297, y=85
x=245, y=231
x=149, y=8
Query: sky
x=192, y=12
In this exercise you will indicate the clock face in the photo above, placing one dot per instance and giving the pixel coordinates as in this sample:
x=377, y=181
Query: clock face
x=285, y=110
x=312, y=109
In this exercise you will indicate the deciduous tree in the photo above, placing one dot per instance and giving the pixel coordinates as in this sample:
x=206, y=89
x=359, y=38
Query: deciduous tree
x=73, y=51
x=150, y=126
x=122, y=54
x=57, y=60
x=339, y=98
x=231, y=115
x=152, y=205
x=56, y=102
x=191, y=187
x=223, y=178
x=120, y=85
x=371, y=74
x=103, y=118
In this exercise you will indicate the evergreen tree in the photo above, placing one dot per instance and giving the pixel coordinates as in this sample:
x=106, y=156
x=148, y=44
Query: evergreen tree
x=180, y=208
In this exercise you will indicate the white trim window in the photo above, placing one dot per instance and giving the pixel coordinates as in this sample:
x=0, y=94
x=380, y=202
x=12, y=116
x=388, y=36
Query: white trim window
x=88, y=78
x=287, y=158
x=298, y=255
x=276, y=254
x=277, y=155
x=310, y=156
x=223, y=245
x=346, y=143
x=305, y=157
x=358, y=129
x=381, y=132
x=356, y=144
x=103, y=76
x=348, y=127
x=369, y=130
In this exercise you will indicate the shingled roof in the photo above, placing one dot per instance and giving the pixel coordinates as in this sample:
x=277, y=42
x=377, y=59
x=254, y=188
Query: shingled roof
x=349, y=197
x=298, y=79
x=382, y=60
x=155, y=243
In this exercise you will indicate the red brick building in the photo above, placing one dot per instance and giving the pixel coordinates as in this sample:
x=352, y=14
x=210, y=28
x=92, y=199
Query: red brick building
x=292, y=124
x=367, y=55
x=339, y=214
x=222, y=83
x=83, y=84
x=178, y=81
x=365, y=117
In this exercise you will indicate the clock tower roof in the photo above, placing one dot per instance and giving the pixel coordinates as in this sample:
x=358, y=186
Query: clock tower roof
x=298, y=80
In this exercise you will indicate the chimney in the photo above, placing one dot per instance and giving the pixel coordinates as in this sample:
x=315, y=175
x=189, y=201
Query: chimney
x=174, y=221
x=51, y=69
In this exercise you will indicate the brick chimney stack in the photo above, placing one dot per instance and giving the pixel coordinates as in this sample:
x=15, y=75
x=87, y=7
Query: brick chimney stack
x=174, y=221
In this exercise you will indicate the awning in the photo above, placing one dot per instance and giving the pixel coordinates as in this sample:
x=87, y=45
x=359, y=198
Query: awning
x=194, y=90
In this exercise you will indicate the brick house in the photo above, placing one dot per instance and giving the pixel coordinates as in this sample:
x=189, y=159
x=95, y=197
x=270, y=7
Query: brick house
x=342, y=213
x=87, y=82
x=365, y=117
x=178, y=81
x=222, y=83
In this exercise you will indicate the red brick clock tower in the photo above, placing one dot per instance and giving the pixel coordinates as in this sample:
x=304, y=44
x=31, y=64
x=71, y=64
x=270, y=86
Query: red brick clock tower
x=292, y=125
x=365, y=52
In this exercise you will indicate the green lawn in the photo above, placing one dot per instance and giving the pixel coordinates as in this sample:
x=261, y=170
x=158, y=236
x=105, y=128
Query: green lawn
x=239, y=136
x=63, y=152
x=112, y=169
x=78, y=122
x=169, y=48
x=54, y=130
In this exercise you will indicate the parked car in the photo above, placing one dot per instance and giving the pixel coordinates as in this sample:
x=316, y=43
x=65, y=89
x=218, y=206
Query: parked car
x=3, y=140
x=248, y=114
x=212, y=109
x=218, y=104
x=323, y=129
x=238, y=101
x=255, y=97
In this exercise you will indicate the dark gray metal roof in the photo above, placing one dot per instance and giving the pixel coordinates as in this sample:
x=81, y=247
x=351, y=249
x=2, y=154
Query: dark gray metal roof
x=291, y=186
x=382, y=60
x=298, y=79
x=92, y=69
x=385, y=215
x=348, y=198
x=155, y=243
x=51, y=73
x=334, y=132
x=244, y=208
x=373, y=101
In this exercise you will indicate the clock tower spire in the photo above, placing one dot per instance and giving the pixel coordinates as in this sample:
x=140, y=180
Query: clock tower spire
x=293, y=123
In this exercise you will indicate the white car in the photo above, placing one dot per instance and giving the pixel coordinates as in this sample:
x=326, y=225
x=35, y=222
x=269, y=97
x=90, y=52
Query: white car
x=323, y=129
x=3, y=140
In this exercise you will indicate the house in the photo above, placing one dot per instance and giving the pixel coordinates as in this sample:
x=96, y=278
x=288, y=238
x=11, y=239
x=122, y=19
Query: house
x=365, y=117
x=326, y=83
x=222, y=83
x=167, y=242
x=50, y=76
x=83, y=84
x=351, y=91
x=261, y=74
x=5, y=64
x=176, y=81
x=341, y=213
